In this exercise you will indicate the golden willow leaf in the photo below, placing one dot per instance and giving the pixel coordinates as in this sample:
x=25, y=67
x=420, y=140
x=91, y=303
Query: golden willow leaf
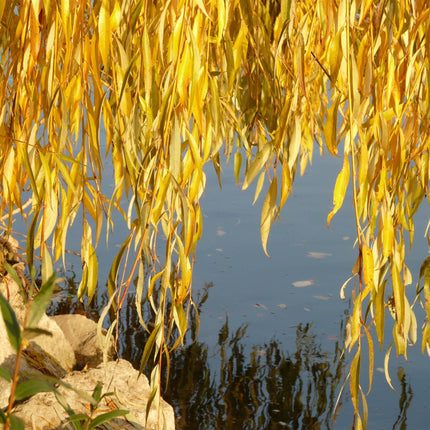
x=256, y=165
x=104, y=32
x=354, y=381
x=368, y=266
x=237, y=165
x=330, y=127
x=2, y=6
x=335, y=57
x=379, y=310
x=267, y=212
x=387, y=233
x=340, y=188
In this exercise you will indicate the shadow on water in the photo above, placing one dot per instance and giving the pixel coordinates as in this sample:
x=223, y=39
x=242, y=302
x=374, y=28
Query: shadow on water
x=237, y=385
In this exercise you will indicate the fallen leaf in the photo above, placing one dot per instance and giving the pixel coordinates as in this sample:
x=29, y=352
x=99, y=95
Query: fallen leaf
x=218, y=249
x=319, y=255
x=322, y=297
x=261, y=352
x=220, y=232
x=259, y=305
x=307, y=309
x=282, y=305
x=332, y=337
x=301, y=284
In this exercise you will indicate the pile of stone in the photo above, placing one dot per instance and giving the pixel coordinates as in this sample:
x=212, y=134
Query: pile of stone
x=74, y=345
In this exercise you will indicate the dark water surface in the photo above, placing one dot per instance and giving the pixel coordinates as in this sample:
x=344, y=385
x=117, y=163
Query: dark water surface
x=269, y=350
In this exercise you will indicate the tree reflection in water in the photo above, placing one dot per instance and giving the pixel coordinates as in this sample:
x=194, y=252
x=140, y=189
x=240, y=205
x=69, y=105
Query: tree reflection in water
x=235, y=385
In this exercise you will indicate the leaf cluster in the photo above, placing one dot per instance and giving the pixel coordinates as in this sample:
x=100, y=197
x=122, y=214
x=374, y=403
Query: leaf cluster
x=175, y=86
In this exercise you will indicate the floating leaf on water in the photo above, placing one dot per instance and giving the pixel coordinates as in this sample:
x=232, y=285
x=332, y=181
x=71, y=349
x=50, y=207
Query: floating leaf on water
x=307, y=309
x=261, y=352
x=346, y=238
x=218, y=249
x=220, y=232
x=259, y=305
x=282, y=305
x=302, y=284
x=332, y=337
x=319, y=255
x=322, y=297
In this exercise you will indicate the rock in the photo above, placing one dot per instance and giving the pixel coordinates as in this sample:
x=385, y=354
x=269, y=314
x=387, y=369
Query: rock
x=53, y=355
x=55, y=352
x=131, y=393
x=81, y=332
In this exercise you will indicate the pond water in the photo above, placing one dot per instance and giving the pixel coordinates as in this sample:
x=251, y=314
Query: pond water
x=269, y=350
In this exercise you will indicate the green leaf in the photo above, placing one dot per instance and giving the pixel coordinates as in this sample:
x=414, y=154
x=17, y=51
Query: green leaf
x=149, y=347
x=115, y=266
x=31, y=239
x=16, y=423
x=2, y=417
x=12, y=326
x=151, y=399
x=47, y=268
x=40, y=302
x=31, y=387
x=31, y=332
x=97, y=393
x=4, y=374
x=107, y=417
x=12, y=272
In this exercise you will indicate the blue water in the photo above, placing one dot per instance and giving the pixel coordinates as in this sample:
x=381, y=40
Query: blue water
x=256, y=326
x=253, y=289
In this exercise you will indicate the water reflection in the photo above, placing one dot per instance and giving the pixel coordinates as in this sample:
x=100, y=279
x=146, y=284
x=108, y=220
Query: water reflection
x=235, y=384
x=262, y=387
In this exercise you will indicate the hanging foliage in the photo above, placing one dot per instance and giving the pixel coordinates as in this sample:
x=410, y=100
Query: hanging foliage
x=175, y=84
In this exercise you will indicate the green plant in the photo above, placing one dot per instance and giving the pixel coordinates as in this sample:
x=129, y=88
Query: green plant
x=19, y=338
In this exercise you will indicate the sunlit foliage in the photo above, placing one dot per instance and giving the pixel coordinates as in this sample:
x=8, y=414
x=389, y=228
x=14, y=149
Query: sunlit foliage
x=175, y=84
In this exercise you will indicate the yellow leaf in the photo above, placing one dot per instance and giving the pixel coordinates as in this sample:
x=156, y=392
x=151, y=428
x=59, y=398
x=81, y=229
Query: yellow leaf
x=259, y=186
x=379, y=309
x=354, y=382
x=399, y=295
x=34, y=33
x=104, y=32
x=387, y=233
x=256, y=165
x=368, y=266
x=371, y=357
x=300, y=63
x=340, y=189
x=237, y=165
x=2, y=6
x=221, y=19
x=330, y=127
x=201, y=6
x=147, y=61
x=269, y=208
x=115, y=16
x=356, y=321
x=286, y=185
x=335, y=56
x=92, y=265
x=365, y=6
